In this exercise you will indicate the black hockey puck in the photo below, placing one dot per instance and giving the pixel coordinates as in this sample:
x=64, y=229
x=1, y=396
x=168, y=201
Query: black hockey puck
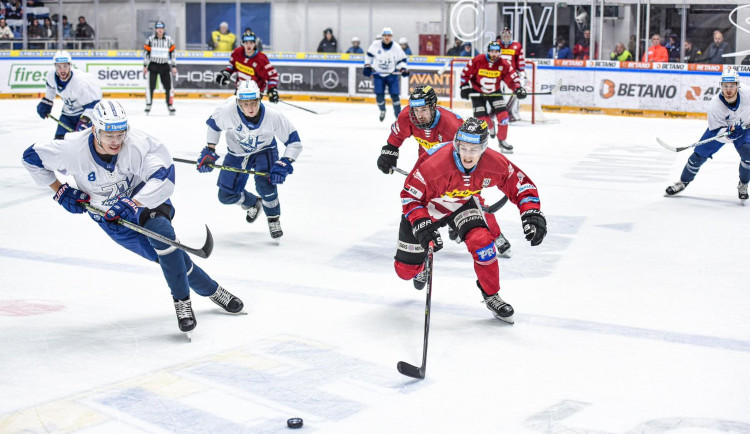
x=295, y=422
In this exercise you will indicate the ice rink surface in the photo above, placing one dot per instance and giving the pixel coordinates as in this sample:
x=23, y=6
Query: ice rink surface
x=631, y=316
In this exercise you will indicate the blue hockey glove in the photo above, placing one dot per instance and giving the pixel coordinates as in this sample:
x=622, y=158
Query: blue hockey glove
x=404, y=72
x=124, y=209
x=280, y=170
x=736, y=131
x=83, y=124
x=425, y=231
x=71, y=199
x=534, y=226
x=368, y=71
x=520, y=93
x=273, y=95
x=44, y=108
x=208, y=156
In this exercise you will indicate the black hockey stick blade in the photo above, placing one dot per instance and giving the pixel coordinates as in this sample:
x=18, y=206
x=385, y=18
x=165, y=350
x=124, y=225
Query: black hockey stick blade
x=411, y=370
x=497, y=205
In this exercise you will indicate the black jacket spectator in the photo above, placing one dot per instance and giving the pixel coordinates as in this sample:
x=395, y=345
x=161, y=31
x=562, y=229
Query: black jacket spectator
x=456, y=49
x=714, y=51
x=692, y=55
x=328, y=44
x=83, y=30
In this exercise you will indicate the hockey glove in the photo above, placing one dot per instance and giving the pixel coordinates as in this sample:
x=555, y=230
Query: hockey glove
x=388, y=158
x=83, y=124
x=208, y=156
x=367, y=71
x=124, y=209
x=273, y=95
x=44, y=108
x=72, y=199
x=736, y=131
x=223, y=77
x=280, y=170
x=520, y=92
x=465, y=91
x=534, y=226
x=425, y=231
x=404, y=72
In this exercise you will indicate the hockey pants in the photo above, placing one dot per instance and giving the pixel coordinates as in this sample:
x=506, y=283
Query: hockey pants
x=703, y=152
x=232, y=185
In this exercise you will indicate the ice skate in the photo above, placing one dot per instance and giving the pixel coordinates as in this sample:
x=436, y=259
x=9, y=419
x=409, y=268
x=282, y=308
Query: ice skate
x=148, y=108
x=420, y=280
x=505, y=147
x=382, y=115
x=678, y=187
x=185, y=316
x=503, y=246
x=742, y=192
x=171, y=109
x=274, y=226
x=253, y=212
x=227, y=301
x=453, y=235
x=499, y=308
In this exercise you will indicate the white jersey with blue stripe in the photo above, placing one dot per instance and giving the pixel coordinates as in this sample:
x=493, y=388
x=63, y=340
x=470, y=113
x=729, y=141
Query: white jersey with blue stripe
x=385, y=62
x=245, y=138
x=142, y=170
x=79, y=94
x=721, y=116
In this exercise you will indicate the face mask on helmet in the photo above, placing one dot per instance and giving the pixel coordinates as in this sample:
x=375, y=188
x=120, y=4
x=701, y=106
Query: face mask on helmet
x=422, y=106
x=506, y=36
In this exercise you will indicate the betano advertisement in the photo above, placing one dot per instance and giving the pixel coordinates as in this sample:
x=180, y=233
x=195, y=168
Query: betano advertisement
x=629, y=88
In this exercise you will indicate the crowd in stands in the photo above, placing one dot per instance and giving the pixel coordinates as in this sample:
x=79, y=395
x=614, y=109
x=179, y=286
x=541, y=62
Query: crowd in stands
x=40, y=25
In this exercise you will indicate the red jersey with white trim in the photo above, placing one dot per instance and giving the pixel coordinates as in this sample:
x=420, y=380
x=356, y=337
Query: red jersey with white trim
x=255, y=67
x=485, y=77
x=439, y=186
x=513, y=54
x=443, y=129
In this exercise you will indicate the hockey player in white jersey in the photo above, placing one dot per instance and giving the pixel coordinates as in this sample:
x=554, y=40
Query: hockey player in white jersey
x=251, y=133
x=130, y=174
x=383, y=60
x=728, y=111
x=79, y=93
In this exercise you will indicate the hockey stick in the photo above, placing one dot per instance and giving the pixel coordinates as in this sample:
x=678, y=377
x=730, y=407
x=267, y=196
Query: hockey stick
x=203, y=252
x=301, y=108
x=59, y=122
x=403, y=367
x=682, y=148
x=227, y=168
x=549, y=92
x=490, y=209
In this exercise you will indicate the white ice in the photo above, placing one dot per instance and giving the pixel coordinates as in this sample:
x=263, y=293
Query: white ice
x=632, y=316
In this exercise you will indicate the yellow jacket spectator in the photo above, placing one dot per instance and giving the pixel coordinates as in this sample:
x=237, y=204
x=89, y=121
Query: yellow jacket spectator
x=222, y=39
x=621, y=54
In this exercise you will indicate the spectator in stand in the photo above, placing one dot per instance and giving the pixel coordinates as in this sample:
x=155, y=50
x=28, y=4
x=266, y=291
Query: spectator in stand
x=50, y=30
x=656, y=52
x=692, y=55
x=673, y=48
x=328, y=44
x=621, y=54
x=714, y=51
x=84, y=31
x=5, y=31
x=456, y=49
x=631, y=46
x=35, y=31
x=581, y=51
x=13, y=10
x=355, y=48
x=466, y=50
x=222, y=39
x=561, y=50
x=258, y=41
x=405, y=46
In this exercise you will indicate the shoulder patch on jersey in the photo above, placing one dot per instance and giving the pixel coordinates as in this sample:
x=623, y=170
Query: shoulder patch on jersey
x=510, y=169
x=413, y=191
x=419, y=176
x=486, y=182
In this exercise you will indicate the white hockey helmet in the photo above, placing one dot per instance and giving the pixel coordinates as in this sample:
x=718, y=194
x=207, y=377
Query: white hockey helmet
x=248, y=89
x=62, y=56
x=730, y=75
x=403, y=40
x=355, y=39
x=108, y=115
x=387, y=31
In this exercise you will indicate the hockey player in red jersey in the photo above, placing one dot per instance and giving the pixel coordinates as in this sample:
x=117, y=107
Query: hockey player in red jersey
x=482, y=77
x=512, y=52
x=445, y=190
x=251, y=64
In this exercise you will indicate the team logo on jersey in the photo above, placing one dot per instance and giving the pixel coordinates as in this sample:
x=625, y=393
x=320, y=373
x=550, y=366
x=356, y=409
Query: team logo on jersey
x=419, y=176
x=245, y=69
x=520, y=177
x=461, y=193
x=486, y=182
x=413, y=191
x=249, y=142
x=92, y=176
x=489, y=73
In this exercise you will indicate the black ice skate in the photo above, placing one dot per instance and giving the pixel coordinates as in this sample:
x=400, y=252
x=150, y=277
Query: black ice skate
x=453, y=235
x=742, y=192
x=505, y=147
x=274, y=226
x=171, y=109
x=227, y=301
x=148, y=108
x=503, y=246
x=185, y=316
x=382, y=115
x=676, y=188
x=499, y=308
x=253, y=212
x=420, y=280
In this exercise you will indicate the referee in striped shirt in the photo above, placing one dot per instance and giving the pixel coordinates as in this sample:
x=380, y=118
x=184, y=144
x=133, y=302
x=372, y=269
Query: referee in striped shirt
x=159, y=54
